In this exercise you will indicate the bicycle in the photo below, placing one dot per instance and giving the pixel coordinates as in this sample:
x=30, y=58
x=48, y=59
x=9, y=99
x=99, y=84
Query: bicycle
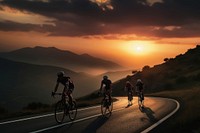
x=106, y=105
x=63, y=108
x=140, y=100
x=130, y=98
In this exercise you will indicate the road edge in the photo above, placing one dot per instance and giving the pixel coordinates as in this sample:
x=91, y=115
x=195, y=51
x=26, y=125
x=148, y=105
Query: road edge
x=164, y=118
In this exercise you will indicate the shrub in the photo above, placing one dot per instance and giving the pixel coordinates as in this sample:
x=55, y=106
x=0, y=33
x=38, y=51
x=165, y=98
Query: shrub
x=145, y=68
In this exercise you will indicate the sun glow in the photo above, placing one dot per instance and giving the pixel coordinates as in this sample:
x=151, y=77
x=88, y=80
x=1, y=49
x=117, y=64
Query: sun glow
x=139, y=47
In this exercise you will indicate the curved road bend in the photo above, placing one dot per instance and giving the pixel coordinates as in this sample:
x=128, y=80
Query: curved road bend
x=89, y=120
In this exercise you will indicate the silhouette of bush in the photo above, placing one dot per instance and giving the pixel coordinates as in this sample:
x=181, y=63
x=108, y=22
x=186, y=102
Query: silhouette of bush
x=134, y=71
x=166, y=59
x=145, y=68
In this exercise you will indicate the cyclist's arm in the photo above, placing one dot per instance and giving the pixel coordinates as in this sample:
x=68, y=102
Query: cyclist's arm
x=101, y=87
x=56, y=87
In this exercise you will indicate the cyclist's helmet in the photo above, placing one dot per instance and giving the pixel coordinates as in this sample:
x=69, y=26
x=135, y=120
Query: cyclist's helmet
x=60, y=74
x=128, y=83
x=105, y=77
x=139, y=81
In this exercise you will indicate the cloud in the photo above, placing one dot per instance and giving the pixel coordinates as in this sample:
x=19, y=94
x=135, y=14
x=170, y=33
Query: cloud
x=14, y=26
x=114, y=17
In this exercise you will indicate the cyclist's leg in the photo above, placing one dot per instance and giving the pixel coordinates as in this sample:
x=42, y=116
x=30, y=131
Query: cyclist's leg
x=104, y=94
x=110, y=98
x=128, y=98
x=142, y=99
x=131, y=98
x=142, y=95
x=64, y=93
x=69, y=94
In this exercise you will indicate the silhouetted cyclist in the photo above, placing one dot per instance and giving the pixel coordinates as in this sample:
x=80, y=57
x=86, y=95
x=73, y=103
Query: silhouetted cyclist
x=106, y=86
x=140, y=88
x=129, y=89
x=67, y=83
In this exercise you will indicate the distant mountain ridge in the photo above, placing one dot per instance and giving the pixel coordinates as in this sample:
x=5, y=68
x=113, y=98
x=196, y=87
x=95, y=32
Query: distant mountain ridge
x=23, y=83
x=174, y=73
x=61, y=58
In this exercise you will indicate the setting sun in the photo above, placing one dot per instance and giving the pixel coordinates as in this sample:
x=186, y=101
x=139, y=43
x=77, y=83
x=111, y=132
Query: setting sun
x=139, y=47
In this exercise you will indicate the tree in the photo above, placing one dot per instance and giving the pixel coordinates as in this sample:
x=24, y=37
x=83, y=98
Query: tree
x=166, y=59
x=145, y=68
x=134, y=71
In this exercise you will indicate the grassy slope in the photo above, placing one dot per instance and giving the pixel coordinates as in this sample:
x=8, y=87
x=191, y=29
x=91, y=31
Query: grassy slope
x=23, y=83
x=177, y=78
x=188, y=117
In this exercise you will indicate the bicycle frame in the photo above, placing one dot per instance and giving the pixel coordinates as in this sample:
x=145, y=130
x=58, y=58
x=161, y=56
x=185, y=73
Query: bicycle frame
x=106, y=105
x=64, y=107
x=140, y=100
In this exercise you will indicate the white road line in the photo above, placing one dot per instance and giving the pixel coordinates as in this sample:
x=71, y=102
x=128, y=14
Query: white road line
x=67, y=123
x=163, y=119
x=41, y=116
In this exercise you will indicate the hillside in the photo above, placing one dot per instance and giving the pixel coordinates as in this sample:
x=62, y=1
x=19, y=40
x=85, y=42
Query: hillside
x=115, y=75
x=61, y=58
x=183, y=71
x=22, y=83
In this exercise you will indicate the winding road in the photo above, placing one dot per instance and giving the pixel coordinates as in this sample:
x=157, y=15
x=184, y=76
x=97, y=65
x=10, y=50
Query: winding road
x=89, y=120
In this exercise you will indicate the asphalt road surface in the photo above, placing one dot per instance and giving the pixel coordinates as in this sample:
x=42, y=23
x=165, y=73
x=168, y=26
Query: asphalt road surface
x=89, y=120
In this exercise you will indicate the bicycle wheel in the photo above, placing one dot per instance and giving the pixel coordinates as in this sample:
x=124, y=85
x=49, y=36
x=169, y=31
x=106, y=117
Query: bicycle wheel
x=73, y=111
x=140, y=103
x=103, y=107
x=106, y=109
x=110, y=107
x=60, y=111
x=130, y=97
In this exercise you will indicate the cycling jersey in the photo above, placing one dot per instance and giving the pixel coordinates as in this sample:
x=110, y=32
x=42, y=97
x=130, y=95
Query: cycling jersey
x=139, y=86
x=63, y=80
x=107, y=84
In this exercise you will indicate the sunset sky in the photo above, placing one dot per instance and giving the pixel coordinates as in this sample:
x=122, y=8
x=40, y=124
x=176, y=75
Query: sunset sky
x=133, y=33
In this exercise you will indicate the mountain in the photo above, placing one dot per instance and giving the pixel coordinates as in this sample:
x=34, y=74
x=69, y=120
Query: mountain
x=180, y=72
x=61, y=58
x=23, y=83
x=115, y=75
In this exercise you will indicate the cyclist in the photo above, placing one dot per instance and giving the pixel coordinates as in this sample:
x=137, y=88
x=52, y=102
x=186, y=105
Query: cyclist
x=140, y=88
x=129, y=89
x=66, y=82
x=107, y=89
